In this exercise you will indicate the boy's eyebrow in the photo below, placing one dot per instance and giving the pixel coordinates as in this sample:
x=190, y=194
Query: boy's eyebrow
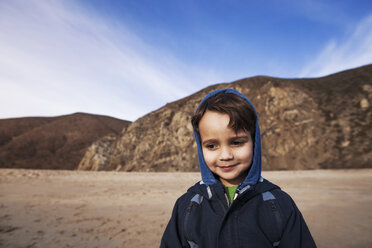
x=240, y=137
x=208, y=140
x=232, y=138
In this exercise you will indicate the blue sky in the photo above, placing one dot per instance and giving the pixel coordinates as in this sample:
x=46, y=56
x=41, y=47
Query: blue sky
x=127, y=58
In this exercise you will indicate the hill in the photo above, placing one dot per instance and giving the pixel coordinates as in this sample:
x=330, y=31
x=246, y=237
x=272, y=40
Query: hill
x=306, y=123
x=52, y=142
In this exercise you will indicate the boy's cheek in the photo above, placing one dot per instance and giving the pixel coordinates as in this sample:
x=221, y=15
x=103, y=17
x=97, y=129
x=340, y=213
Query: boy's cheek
x=244, y=153
x=208, y=157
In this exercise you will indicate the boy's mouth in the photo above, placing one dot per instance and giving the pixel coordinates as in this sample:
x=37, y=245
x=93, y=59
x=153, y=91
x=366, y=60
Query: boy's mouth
x=228, y=167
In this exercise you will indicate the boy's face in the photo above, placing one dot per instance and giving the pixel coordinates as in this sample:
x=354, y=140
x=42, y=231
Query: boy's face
x=227, y=154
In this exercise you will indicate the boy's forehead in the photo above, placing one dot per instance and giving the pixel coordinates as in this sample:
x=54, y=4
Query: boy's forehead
x=213, y=120
x=209, y=117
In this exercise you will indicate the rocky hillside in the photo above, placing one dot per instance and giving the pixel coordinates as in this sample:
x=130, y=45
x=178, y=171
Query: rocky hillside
x=306, y=124
x=52, y=143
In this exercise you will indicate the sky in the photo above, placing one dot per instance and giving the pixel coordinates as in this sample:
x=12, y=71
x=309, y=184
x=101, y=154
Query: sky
x=126, y=58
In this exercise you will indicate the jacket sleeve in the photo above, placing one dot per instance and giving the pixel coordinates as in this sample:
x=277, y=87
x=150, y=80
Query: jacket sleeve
x=295, y=233
x=172, y=237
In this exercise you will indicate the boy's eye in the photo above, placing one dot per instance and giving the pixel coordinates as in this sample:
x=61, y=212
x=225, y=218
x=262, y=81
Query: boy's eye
x=211, y=146
x=237, y=143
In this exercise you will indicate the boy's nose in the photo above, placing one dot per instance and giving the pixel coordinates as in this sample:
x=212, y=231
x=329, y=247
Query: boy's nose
x=226, y=154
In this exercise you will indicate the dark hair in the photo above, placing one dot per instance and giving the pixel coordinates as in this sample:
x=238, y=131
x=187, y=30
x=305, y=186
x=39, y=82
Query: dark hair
x=241, y=113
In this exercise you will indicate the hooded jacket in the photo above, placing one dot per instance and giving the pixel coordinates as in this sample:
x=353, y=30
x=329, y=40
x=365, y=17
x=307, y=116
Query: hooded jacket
x=261, y=214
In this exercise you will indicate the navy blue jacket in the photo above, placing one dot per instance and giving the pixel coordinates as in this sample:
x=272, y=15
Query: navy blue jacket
x=202, y=219
x=261, y=214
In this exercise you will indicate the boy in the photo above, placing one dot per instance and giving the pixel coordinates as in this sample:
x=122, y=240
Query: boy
x=233, y=206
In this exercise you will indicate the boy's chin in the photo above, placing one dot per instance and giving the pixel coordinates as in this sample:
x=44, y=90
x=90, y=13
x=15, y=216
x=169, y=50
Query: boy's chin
x=231, y=181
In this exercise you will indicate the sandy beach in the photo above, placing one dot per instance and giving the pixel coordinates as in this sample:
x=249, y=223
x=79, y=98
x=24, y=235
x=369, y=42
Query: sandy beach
x=41, y=208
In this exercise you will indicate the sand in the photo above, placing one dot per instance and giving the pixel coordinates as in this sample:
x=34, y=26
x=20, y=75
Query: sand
x=40, y=208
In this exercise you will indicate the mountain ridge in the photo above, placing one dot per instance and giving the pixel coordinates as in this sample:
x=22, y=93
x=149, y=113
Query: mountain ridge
x=306, y=123
x=52, y=142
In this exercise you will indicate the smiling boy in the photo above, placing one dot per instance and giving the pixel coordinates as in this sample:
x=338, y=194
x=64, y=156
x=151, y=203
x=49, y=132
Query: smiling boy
x=228, y=154
x=233, y=206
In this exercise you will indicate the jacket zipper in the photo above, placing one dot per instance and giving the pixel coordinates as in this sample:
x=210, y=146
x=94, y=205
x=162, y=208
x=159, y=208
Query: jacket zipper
x=220, y=201
x=227, y=210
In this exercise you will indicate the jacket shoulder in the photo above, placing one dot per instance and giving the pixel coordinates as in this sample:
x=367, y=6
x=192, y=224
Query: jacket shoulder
x=284, y=199
x=184, y=200
x=269, y=190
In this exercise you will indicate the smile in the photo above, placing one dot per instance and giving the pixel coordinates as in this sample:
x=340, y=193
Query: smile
x=228, y=167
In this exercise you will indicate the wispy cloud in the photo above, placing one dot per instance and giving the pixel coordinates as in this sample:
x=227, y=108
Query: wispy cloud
x=328, y=12
x=337, y=55
x=56, y=58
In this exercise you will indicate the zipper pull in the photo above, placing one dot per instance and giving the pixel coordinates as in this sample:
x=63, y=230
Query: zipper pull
x=236, y=194
x=227, y=200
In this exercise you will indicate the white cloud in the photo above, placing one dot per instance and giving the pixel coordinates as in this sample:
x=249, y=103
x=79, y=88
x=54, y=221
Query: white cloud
x=337, y=55
x=56, y=58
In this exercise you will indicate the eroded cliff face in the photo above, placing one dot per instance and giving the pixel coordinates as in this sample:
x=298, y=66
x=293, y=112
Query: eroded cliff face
x=305, y=124
x=98, y=155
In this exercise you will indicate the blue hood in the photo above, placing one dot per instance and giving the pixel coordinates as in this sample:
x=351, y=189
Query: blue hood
x=254, y=172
